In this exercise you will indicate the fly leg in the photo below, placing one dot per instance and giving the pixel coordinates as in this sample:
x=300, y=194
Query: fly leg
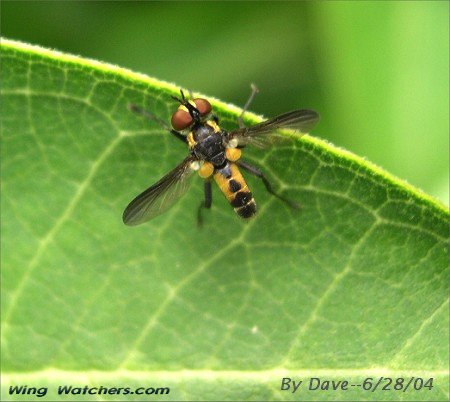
x=255, y=90
x=162, y=123
x=255, y=171
x=204, y=204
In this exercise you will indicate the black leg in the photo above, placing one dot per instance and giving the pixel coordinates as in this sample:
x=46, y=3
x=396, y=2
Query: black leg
x=162, y=123
x=204, y=204
x=179, y=135
x=255, y=171
x=255, y=90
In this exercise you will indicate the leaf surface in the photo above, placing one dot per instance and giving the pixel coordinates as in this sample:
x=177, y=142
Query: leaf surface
x=353, y=285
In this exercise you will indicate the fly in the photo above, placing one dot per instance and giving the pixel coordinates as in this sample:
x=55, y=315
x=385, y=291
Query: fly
x=216, y=155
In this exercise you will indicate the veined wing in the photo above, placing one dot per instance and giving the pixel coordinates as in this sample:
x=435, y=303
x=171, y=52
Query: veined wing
x=265, y=133
x=161, y=196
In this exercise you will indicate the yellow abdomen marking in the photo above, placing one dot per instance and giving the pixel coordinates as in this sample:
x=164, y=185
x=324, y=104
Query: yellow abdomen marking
x=234, y=187
x=231, y=185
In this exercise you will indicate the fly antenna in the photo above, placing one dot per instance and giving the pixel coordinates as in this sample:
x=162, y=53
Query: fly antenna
x=177, y=99
x=183, y=100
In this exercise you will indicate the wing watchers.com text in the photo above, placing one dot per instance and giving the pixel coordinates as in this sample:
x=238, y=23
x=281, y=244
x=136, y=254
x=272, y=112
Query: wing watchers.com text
x=88, y=390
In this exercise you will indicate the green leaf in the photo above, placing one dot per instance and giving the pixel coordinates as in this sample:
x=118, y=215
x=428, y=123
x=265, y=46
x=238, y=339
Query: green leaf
x=354, y=285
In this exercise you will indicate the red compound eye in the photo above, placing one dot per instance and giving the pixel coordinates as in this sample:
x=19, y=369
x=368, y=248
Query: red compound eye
x=181, y=120
x=203, y=106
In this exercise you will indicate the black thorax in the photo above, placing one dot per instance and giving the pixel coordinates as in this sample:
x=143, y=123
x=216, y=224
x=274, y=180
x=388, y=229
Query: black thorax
x=209, y=145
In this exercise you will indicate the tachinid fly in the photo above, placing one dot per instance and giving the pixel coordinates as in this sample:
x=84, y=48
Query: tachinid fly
x=216, y=155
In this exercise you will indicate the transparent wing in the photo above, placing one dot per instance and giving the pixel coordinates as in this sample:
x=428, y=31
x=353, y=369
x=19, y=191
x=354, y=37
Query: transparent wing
x=161, y=196
x=264, y=134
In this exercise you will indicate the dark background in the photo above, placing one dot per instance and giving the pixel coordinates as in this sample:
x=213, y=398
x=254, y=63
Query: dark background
x=376, y=71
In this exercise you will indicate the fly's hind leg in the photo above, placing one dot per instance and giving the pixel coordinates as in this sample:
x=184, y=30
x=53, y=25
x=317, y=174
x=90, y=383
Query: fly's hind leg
x=206, y=203
x=255, y=171
x=255, y=90
x=162, y=123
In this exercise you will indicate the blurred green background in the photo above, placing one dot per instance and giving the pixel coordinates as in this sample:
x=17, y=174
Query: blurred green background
x=376, y=71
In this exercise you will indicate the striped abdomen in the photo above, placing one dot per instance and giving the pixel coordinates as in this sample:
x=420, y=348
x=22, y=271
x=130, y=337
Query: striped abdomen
x=234, y=187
